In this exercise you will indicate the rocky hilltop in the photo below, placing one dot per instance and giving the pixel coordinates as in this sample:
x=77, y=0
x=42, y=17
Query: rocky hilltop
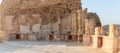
x=48, y=9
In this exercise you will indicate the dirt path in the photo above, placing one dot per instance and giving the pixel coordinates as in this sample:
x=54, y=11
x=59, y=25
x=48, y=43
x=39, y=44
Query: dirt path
x=45, y=47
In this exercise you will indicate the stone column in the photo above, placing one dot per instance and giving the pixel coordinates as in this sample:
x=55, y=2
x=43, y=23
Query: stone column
x=97, y=38
x=59, y=28
x=40, y=29
x=83, y=19
x=59, y=25
x=75, y=23
x=97, y=31
x=72, y=26
x=79, y=24
x=115, y=40
x=112, y=30
x=87, y=36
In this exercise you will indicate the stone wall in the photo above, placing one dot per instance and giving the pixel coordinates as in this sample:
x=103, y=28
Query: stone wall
x=108, y=43
x=48, y=10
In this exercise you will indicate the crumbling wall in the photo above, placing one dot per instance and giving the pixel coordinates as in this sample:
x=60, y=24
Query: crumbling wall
x=48, y=10
x=93, y=22
x=108, y=43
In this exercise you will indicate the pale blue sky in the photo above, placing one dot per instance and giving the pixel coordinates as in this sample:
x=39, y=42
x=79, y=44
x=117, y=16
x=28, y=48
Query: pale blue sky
x=108, y=10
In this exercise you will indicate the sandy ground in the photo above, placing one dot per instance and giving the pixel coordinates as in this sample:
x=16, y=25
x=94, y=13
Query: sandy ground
x=45, y=47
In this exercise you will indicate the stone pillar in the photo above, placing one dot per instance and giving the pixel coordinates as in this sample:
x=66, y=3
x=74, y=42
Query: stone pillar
x=112, y=30
x=72, y=26
x=40, y=32
x=59, y=26
x=74, y=23
x=40, y=29
x=83, y=19
x=97, y=31
x=97, y=39
x=79, y=24
x=115, y=40
x=59, y=29
x=87, y=36
x=85, y=27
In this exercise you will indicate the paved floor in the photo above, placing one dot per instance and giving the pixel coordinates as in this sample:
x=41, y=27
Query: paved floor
x=45, y=47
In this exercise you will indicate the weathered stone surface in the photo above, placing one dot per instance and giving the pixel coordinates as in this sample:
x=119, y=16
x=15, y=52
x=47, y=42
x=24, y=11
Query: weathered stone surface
x=93, y=21
x=29, y=12
x=46, y=13
x=112, y=30
x=51, y=8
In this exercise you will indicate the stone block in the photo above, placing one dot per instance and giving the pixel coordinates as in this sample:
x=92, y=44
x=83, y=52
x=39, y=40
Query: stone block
x=112, y=30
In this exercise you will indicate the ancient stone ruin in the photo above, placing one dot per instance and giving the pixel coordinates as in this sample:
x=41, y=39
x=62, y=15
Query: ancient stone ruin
x=58, y=18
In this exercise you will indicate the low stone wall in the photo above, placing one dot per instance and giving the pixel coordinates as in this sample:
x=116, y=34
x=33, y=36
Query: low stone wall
x=110, y=44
